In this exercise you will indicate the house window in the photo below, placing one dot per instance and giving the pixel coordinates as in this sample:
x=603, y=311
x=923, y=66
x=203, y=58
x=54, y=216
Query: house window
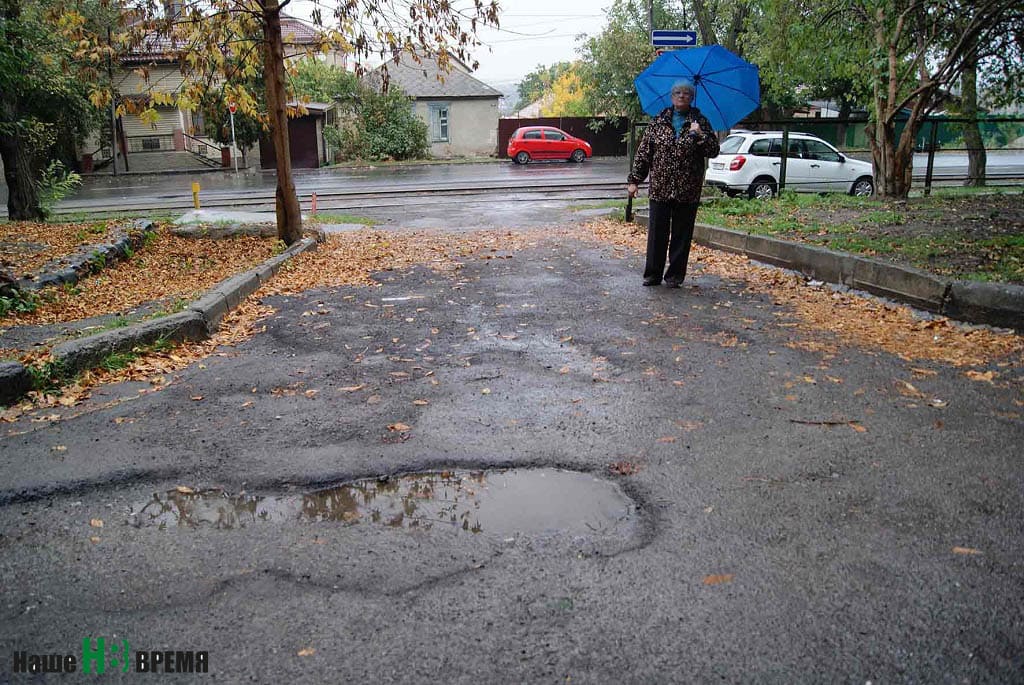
x=439, y=123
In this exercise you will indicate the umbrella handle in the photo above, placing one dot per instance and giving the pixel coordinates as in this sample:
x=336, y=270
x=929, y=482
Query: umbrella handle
x=629, y=208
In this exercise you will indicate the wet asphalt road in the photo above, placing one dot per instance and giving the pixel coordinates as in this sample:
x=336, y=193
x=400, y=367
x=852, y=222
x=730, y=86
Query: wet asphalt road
x=761, y=549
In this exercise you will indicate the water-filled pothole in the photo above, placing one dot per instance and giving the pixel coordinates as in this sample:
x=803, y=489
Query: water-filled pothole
x=501, y=502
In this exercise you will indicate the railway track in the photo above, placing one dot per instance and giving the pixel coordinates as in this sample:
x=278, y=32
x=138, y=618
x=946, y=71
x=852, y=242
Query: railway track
x=355, y=198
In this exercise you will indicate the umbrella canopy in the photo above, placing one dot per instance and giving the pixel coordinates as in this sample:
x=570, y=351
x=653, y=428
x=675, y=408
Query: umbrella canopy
x=728, y=87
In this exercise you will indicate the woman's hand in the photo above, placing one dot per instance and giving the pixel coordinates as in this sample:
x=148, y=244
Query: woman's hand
x=694, y=128
x=631, y=189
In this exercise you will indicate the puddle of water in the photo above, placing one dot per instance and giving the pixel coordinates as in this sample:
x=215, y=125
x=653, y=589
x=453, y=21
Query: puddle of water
x=505, y=502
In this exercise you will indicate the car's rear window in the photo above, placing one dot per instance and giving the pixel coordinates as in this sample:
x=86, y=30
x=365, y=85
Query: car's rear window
x=731, y=145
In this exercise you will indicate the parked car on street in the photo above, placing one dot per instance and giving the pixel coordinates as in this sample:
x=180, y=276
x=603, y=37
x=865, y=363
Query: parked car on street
x=750, y=162
x=546, y=142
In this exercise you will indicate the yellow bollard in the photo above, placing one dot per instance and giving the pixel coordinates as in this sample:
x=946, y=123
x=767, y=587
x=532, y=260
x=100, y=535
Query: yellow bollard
x=195, y=194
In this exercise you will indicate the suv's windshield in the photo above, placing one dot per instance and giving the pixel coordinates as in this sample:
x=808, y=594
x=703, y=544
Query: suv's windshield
x=731, y=145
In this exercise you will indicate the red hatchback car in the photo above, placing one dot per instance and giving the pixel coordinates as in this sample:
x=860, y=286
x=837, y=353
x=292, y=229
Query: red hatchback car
x=546, y=142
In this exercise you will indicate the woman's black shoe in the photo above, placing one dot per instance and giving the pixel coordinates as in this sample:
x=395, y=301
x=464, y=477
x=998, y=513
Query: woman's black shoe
x=673, y=282
x=652, y=281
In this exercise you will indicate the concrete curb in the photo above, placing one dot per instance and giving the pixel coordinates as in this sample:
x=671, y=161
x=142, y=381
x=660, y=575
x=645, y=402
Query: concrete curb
x=15, y=381
x=197, y=322
x=996, y=304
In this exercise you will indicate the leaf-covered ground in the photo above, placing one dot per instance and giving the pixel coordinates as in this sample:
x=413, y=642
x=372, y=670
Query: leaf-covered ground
x=168, y=268
x=26, y=246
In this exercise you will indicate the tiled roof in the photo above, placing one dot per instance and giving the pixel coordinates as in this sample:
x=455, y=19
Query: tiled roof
x=298, y=32
x=159, y=48
x=420, y=80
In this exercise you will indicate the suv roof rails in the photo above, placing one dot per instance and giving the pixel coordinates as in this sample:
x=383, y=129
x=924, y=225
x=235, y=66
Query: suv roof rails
x=773, y=133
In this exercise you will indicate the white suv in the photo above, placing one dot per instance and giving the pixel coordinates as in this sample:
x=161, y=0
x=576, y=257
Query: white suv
x=749, y=162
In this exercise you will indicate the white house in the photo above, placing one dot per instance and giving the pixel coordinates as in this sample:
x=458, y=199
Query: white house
x=460, y=111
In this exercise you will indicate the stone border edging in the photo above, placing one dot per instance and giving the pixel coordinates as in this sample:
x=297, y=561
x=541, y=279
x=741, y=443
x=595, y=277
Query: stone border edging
x=996, y=304
x=196, y=322
x=86, y=258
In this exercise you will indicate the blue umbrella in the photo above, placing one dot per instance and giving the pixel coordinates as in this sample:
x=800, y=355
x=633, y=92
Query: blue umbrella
x=728, y=87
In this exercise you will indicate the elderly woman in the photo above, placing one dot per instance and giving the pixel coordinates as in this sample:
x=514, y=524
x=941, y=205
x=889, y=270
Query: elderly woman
x=673, y=150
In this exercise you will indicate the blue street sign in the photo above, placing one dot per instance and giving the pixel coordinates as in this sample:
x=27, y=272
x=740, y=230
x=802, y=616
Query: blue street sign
x=665, y=38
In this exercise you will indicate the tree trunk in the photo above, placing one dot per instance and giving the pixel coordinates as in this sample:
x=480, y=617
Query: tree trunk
x=705, y=23
x=894, y=162
x=289, y=216
x=845, y=109
x=22, y=195
x=976, y=156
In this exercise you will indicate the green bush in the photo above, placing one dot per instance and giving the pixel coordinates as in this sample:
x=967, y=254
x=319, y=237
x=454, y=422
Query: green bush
x=21, y=301
x=56, y=183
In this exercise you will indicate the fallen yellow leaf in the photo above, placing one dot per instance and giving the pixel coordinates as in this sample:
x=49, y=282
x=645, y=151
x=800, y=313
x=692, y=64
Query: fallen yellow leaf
x=96, y=523
x=398, y=427
x=184, y=489
x=420, y=403
x=718, y=579
x=966, y=550
x=908, y=390
x=979, y=376
x=353, y=388
x=307, y=651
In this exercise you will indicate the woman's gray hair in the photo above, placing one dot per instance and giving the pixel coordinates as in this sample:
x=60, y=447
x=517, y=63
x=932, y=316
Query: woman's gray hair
x=684, y=84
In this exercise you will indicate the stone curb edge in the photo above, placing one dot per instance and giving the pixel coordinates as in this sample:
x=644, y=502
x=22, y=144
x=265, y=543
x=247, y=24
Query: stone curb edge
x=995, y=304
x=197, y=322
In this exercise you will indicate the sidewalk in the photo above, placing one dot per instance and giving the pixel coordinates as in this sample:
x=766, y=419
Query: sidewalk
x=995, y=304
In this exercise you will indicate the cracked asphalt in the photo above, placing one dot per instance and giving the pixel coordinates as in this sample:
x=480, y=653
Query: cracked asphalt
x=772, y=540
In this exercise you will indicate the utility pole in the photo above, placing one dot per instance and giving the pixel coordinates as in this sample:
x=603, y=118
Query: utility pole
x=650, y=16
x=113, y=108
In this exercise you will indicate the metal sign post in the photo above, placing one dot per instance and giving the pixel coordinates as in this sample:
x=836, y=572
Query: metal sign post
x=234, y=148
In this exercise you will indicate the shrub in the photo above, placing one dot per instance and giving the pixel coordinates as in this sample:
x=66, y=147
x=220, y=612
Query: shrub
x=56, y=183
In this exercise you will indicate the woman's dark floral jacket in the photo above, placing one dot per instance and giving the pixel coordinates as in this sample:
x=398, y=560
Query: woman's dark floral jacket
x=676, y=164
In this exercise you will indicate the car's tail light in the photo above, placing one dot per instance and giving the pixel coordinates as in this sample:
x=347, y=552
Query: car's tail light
x=737, y=163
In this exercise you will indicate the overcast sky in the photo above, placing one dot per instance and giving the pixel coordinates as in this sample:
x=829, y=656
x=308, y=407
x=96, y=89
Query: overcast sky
x=532, y=33
x=535, y=32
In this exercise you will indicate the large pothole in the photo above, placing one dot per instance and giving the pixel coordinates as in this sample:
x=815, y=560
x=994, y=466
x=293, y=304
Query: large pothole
x=498, y=502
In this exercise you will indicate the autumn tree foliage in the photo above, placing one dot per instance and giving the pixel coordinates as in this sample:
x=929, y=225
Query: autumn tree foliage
x=222, y=45
x=44, y=111
x=569, y=97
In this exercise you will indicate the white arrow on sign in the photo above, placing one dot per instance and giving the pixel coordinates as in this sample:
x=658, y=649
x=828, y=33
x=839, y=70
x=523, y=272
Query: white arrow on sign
x=672, y=38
